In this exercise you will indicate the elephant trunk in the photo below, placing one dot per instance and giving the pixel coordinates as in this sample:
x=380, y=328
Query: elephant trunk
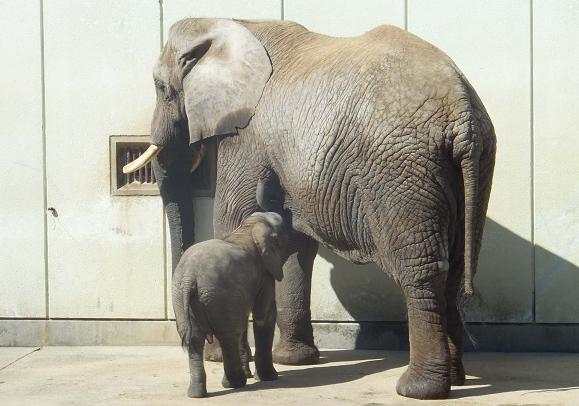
x=172, y=171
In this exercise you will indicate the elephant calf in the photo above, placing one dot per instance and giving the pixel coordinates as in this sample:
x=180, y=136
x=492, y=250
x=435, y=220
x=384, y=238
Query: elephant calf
x=216, y=284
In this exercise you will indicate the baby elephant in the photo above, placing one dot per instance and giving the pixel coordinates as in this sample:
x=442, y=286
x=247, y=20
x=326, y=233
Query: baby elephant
x=217, y=284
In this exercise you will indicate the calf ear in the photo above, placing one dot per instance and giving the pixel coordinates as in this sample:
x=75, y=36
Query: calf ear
x=269, y=249
x=224, y=74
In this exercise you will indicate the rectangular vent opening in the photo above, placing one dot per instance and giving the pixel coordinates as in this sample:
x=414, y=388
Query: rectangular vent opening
x=125, y=149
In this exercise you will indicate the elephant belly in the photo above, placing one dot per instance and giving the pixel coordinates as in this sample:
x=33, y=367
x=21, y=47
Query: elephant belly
x=334, y=220
x=357, y=204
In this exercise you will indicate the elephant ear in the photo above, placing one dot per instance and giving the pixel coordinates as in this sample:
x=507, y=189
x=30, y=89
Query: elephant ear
x=268, y=245
x=225, y=71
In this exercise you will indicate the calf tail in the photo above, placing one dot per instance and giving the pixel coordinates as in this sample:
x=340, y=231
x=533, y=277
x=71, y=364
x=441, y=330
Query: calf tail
x=192, y=320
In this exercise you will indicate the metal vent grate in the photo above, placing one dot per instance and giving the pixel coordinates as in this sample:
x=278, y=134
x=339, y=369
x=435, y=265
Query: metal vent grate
x=144, y=175
x=125, y=149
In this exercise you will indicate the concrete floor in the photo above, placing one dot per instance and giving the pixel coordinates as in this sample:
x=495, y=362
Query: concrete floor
x=158, y=376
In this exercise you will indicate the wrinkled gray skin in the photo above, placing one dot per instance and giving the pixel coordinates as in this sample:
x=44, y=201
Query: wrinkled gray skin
x=216, y=284
x=380, y=146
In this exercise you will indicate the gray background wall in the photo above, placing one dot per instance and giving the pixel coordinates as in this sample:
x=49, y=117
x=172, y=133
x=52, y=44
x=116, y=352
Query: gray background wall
x=72, y=73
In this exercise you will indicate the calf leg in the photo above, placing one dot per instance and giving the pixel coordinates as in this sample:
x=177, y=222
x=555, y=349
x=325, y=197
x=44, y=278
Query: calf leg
x=197, y=383
x=234, y=374
x=264, y=312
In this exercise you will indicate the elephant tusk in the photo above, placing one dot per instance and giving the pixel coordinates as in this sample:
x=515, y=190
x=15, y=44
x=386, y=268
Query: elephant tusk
x=143, y=160
x=198, y=158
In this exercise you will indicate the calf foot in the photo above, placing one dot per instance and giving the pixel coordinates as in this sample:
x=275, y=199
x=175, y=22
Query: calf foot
x=295, y=353
x=413, y=385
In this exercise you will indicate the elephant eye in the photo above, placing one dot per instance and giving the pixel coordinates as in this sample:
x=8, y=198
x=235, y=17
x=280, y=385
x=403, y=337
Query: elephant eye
x=160, y=85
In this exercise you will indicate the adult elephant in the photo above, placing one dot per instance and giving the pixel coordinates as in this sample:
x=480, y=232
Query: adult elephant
x=382, y=149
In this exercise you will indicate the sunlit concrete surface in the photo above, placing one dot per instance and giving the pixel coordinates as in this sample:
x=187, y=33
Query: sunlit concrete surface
x=158, y=376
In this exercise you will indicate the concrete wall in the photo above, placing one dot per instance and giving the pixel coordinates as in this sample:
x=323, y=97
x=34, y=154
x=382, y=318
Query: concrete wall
x=74, y=73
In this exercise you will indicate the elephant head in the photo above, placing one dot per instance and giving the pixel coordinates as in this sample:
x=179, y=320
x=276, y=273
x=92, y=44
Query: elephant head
x=270, y=237
x=208, y=79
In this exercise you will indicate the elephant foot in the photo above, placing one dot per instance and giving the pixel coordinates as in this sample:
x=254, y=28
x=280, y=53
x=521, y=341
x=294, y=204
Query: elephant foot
x=196, y=391
x=412, y=385
x=296, y=353
x=213, y=352
x=457, y=375
x=266, y=374
x=236, y=382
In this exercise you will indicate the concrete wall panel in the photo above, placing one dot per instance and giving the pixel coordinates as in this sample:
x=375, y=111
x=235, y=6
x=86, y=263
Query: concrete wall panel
x=175, y=10
x=556, y=186
x=105, y=252
x=345, y=18
x=490, y=42
x=22, y=266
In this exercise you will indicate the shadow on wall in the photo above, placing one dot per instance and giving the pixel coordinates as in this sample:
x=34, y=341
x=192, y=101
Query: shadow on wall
x=504, y=288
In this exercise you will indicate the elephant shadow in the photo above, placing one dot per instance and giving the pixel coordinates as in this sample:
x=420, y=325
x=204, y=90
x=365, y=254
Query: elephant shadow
x=335, y=367
x=487, y=373
x=528, y=373
x=505, y=292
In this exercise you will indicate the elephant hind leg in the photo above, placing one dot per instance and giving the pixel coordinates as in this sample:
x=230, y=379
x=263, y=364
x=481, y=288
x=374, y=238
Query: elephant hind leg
x=197, y=383
x=428, y=373
x=454, y=321
x=423, y=268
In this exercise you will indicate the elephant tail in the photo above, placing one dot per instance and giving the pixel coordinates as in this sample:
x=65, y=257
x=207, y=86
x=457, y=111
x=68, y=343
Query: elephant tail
x=469, y=167
x=194, y=322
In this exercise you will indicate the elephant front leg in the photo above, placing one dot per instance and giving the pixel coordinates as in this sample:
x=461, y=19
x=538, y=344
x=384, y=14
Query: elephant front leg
x=296, y=345
x=428, y=373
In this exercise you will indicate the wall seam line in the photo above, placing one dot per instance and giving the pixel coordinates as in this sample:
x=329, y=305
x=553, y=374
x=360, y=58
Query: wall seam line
x=532, y=169
x=406, y=15
x=282, y=10
x=44, y=165
x=164, y=221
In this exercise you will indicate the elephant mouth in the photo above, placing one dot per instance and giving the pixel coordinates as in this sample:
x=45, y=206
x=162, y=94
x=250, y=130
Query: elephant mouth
x=143, y=160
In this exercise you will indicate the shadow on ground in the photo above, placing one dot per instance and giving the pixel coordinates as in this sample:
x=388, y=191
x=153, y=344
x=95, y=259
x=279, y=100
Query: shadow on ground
x=331, y=370
x=493, y=373
x=488, y=373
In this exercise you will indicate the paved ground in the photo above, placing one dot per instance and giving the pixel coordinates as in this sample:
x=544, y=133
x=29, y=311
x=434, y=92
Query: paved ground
x=158, y=376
